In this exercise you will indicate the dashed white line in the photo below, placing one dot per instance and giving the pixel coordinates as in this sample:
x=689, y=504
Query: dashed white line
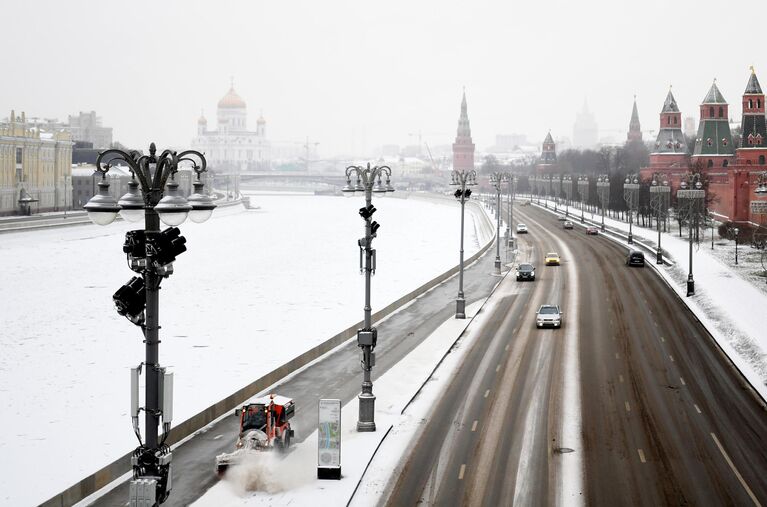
x=497, y=368
x=682, y=381
x=671, y=357
x=641, y=456
x=628, y=407
x=461, y=472
x=662, y=339
x=697, y=408
x=487, y=392
x=620, y=377
x=217, y=437
x=474, y=426
x=737, y=474
x=507, y=347
x=617, y=356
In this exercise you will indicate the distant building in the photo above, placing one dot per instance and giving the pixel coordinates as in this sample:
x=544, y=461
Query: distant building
x=87, y=127
x=232, y=145
x=35, y=167
x=547, y=163
x=506, y=143
x=689, y=127
x=585, y=131
x=463, y=147
x=635, y=130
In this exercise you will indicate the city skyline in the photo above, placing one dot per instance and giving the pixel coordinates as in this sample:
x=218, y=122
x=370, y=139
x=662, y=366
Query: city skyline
x=353, y=78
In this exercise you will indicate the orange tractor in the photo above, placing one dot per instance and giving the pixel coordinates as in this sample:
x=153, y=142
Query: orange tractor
x=264, y=426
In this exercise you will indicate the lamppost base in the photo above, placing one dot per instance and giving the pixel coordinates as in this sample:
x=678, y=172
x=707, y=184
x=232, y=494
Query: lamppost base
x=690, y=288
x=460, y=308
x=497, y=266
x=631, y=239
x=659, y=257
x=366, y=420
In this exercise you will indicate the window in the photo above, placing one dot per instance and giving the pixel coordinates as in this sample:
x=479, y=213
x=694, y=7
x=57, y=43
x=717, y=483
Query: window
x=711, y=112
x=725, y=163
x=750, y=139
x=668, y=120
x=721, y=112
x=709, y=142
x=750, y=104
x=18, y=155
x=676, y=120
x=758, y=103
x=710, y=163
x=761, y=159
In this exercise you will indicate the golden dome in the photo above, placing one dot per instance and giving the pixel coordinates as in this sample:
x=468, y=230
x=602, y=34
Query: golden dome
x=231, y=100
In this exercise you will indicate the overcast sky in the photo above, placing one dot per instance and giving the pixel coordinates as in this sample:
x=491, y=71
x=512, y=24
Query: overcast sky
x=354, y=74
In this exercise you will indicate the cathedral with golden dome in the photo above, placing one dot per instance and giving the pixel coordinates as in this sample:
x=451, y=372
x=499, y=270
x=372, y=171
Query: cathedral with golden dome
x=231, y=145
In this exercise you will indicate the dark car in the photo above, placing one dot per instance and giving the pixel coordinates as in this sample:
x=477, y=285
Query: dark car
x=525, y=272
x=635, y=258
x=592, y=230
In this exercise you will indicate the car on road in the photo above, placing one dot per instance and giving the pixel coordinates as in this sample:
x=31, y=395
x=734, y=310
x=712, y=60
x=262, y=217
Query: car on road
x=552, y=259
x=567, y=224
x=635, y=258
x=521, y=229
x=525, y=272
x=548, y=315
x=592, y=230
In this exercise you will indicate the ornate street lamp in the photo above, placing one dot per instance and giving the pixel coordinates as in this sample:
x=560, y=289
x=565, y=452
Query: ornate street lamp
x=512, y=180
x=603, y=191
x=660, y=191
x=735, y=230
x=462, y=178
x=583, y=192
x=630, y=194
x=150, y=253
x=567, y=183
x=367, y=337
x=690, y=198
x=497, y=178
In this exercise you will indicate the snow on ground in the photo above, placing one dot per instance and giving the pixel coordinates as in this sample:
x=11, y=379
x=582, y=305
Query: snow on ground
x=273, y=480
x=728, y=300
x=255, y=289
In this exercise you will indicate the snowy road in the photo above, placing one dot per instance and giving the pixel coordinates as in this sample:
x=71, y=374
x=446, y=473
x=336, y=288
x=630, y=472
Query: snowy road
x=666, y=419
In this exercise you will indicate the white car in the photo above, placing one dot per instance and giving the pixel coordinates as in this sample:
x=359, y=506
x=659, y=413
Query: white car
x=548, y=315
x=521, y=229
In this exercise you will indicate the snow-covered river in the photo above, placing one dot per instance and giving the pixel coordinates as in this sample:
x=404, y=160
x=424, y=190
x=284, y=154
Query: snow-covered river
x=255, y=289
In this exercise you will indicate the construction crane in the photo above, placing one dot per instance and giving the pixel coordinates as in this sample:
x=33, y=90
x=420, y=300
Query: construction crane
x=433, y=164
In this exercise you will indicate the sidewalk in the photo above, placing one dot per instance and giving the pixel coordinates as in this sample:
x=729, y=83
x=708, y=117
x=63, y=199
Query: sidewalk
x=728, y=303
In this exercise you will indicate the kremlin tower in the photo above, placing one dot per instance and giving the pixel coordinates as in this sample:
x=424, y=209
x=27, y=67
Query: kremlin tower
x=713, y=144
x=463, y=147
x=548, y=161
x=635, y=130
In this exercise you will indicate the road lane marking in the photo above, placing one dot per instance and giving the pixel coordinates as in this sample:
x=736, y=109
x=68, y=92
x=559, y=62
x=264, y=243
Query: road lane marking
x=696, y=408
x=628, y=407
x=461, y=472
x=507, y=346
x=737, y=474
x=683, y=382
x=671, y=357
x=662, y=339
x=474, y=426
x=620, y=377
x=217, y=437
x=617, y=356
x=497, y=367
x=487, y=392
x=641, y=456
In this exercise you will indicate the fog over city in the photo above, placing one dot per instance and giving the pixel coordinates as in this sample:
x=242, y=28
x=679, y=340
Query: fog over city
x=353, y=76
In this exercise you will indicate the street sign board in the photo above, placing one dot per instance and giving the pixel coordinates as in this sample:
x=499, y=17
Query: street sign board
x=631, y=186
x=660, y=189
x=329, y=440
x=759, y=207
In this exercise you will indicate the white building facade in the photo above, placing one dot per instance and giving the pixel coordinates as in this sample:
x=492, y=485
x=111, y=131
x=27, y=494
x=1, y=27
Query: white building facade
x=231, y=145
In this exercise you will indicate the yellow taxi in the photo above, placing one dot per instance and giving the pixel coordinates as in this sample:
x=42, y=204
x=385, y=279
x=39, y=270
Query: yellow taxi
x=552, y=259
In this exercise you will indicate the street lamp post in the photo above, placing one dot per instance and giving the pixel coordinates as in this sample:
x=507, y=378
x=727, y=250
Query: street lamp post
x=512, y=183
x=557, y=189
x=630, y=194
x=463, y=178
x=659, y=194
x=150, y=253
x=567, y=183
x=736, y=231
x=689, y=201
x=583, y=191
x=368, y=183
x=603, y=191
x=497, y=178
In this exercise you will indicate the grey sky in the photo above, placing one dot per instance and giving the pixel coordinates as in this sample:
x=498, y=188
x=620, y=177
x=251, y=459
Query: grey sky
x=354, y=73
